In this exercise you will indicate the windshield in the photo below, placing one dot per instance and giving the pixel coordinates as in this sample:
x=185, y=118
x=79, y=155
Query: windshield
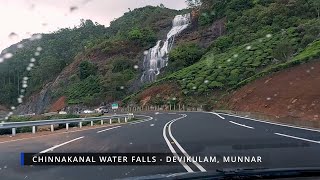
x=113, y=89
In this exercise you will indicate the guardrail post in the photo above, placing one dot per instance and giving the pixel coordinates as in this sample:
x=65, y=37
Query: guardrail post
x=80, y=124
x=13, y=131
x=101, y=122
x=67, y=126
x=91, y=123
x=52, y=128
x=119, y=120
x=110, y=121
x=33, y=129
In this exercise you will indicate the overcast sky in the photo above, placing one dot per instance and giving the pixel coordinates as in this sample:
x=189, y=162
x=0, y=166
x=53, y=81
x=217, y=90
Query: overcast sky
x=25, y=17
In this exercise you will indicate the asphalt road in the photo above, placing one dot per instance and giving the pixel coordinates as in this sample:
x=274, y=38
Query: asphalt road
x=189, y=133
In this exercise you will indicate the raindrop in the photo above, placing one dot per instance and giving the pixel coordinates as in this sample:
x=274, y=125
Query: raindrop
x=24, y=85
x=1, y=59
x=39, y=48
x=236, y=55
x=38, y=36
x=268, y=98
x=10, y=113
x=35, y=37
x=248, y=47
x=194, y=87
x=229, y=60
x=136, y=67
x=28, y=68
x=25, y=78
x=32, y=60
x=23, y=90
x=19, y=46
x=73, y=8
x=206, y=81
x=5, y=167
x=146, y=53
x=308, y=71
x=6, y=118
x=21, y=96
x=312, y=68
x=13, y=108
x=13, y=35
x=8, y=55
x=269, y=35
x=36, y=53
x=24, y=82
x=31, y=65
x=174, y=99
x=219, y=67
x=260, y=40
x=122, y=87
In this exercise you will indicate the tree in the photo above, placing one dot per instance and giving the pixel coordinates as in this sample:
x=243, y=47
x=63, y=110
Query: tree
x=316, y=5
x=86, y=69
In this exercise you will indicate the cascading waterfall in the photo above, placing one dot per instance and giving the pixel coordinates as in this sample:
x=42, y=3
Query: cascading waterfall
x=156, y=58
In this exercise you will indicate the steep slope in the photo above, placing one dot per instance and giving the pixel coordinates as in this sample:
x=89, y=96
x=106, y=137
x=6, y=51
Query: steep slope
x=86, y=70
x=291, y=93
x=262, y=37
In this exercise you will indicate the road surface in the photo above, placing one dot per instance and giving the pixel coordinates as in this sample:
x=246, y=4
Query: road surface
x=191, y=133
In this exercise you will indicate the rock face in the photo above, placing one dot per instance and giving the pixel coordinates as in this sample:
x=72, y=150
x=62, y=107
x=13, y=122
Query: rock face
x=37, y=103
x=203, y=36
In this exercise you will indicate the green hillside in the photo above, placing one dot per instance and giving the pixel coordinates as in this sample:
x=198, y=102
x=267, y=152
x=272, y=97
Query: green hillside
x=262, y=37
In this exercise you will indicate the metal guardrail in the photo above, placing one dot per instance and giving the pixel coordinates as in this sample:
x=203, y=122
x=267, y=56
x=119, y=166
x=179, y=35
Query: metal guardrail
x=33, y=124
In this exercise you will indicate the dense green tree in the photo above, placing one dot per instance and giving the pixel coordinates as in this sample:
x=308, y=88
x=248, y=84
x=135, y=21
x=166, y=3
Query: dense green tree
x=86, y=69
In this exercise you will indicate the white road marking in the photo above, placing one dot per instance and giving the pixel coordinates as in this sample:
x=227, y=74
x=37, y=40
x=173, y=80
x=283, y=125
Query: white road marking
x=241, y=125
x=181, y=148
x=171, y=147
x=108, y=129
x=151, y=125
x=273, y=123
x=141, y=121
x=56, y=146
x=299, y=138
x=217, y=115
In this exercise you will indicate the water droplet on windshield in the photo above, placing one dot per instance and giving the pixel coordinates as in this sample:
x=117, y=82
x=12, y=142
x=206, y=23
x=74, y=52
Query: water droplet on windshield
x=194, y=87
x=13, y=35
x=229, y=60
x=25, y=85
x=269, y=35
x=145, y=53
x=28, y=68
x=32, y=60
x=39, y=48
x=19, y=100
x=1, y=59
x=122, y=87
x=73, y=8
x=36, y=53
x=136, y=67
x=268, y=98
x=25, y=78
x=8, y=55
x=248, y=47
x=31, y=65
x=236, y=55
x=13, y=108
x=206, y=81
x=19, y=46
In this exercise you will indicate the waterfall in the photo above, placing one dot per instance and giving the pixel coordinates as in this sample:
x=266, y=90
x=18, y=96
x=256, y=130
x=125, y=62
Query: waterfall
x=156, y=58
